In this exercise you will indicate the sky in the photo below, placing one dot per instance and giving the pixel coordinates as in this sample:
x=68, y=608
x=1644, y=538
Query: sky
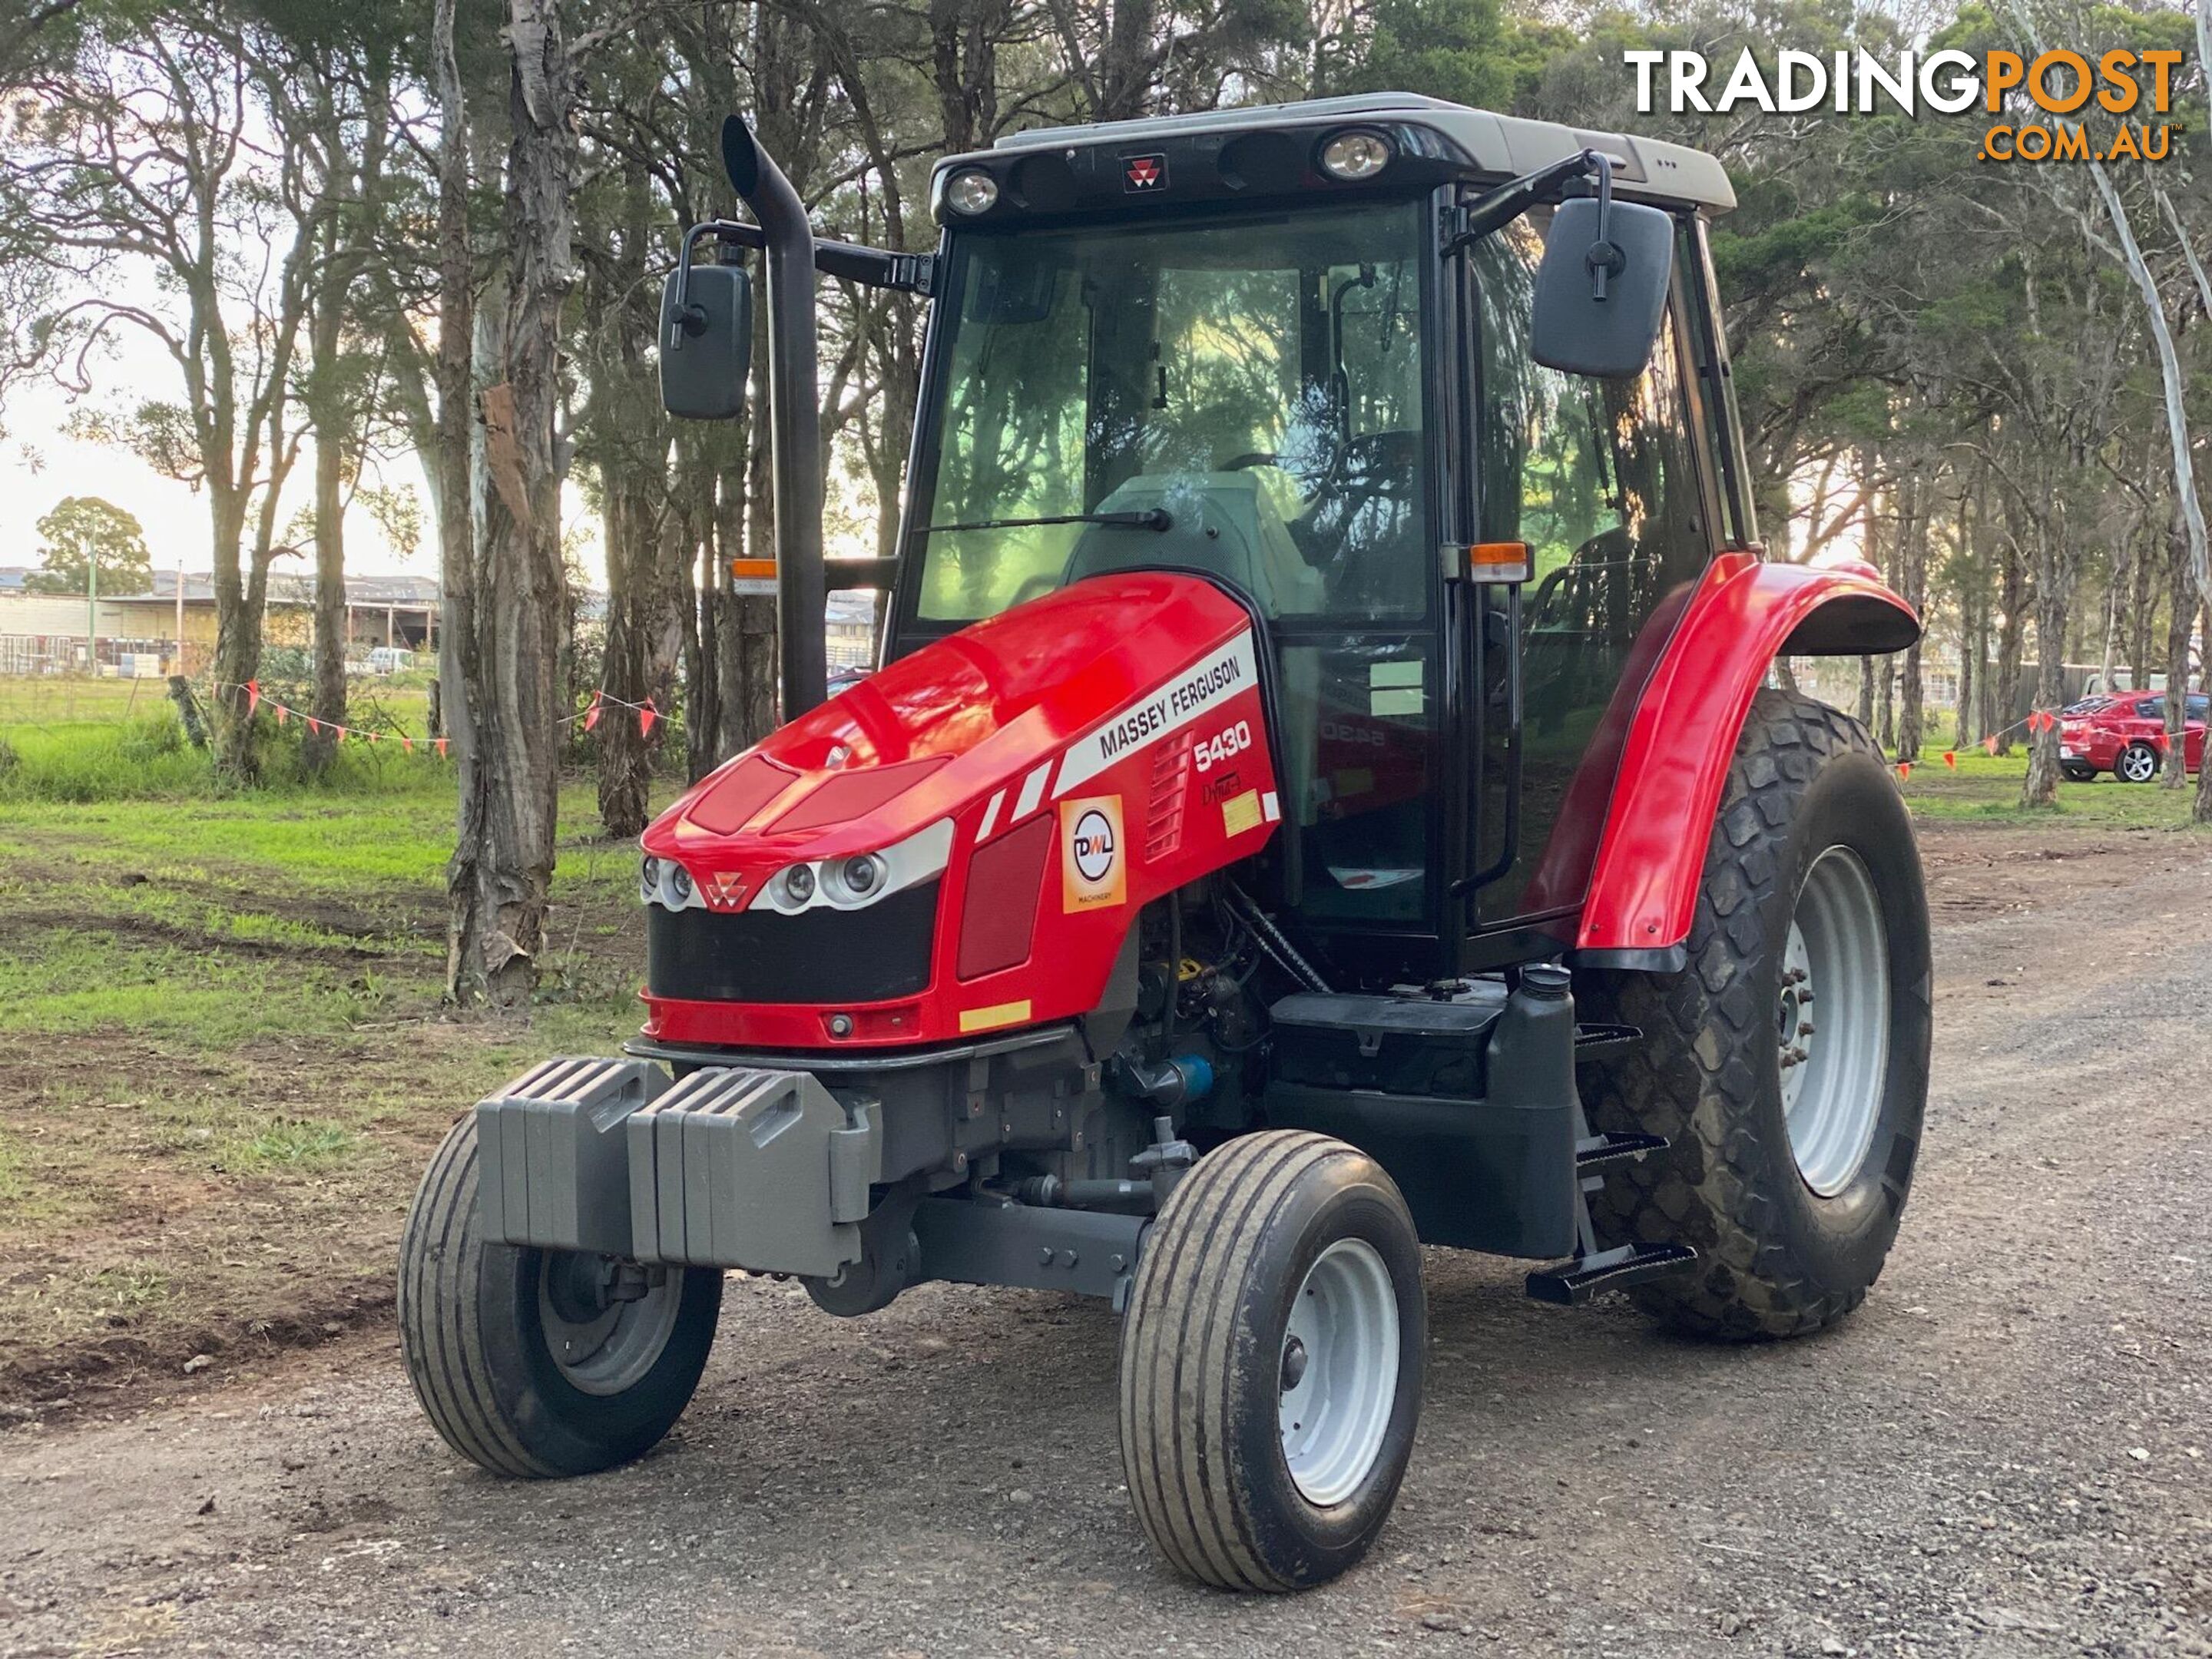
x=41, y=464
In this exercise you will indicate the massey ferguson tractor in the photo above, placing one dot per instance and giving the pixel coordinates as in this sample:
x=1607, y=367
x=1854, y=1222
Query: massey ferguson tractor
x=1321, y=795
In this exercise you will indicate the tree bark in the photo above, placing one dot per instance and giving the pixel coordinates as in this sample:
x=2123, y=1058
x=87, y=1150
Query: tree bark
x=1914, y=505
x=2013, y=597
x=2183, y=612
x=501, y=880
x=2052, y=591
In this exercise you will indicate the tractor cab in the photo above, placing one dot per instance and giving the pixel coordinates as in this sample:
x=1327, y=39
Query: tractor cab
x=1319, y=795
x=1288, y=350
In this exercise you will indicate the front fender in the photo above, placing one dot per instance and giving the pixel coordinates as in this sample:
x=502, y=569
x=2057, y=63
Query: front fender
x=1745, y=611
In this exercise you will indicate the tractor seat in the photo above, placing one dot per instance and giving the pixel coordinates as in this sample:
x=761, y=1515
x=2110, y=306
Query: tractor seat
x=1224, y=524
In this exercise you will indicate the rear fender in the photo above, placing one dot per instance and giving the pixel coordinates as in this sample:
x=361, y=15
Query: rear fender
x=1745, y=613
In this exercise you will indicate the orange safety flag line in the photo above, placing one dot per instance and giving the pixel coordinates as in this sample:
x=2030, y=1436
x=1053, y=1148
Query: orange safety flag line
x=1904, y=770
x=1951, y=758
x=646, y=716
x=1989, y=743
x=591, y=714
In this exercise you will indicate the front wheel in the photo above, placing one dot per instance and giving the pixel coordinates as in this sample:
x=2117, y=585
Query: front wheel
x=1270, y=1363
x=2137, y=763
x=1788, y=1066
x=541, y=1362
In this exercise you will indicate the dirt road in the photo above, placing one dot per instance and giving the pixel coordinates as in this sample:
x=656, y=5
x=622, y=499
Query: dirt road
x=2008, y=1451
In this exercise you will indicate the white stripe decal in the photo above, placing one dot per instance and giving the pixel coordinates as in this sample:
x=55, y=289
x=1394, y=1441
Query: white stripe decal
x=1230, y=671
x=1032, y=792
x=991, y=814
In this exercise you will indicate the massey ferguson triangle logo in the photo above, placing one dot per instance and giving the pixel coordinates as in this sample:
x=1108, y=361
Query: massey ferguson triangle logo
x=1144, y=173
x=723, y=888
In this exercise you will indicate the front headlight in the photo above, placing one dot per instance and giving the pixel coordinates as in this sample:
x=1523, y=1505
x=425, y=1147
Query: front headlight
x=860, y=879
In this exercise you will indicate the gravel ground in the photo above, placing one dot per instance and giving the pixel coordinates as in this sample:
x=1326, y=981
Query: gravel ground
x=2007, y=1451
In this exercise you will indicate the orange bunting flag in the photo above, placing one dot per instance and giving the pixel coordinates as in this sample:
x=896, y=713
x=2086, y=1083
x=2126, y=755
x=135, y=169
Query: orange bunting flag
x=1904, y=770
x=252, y=698
x=1989, y=743
x=591, y=714
x=646, y=716
x=408, y=743
x=1951, y=758
x=314, y=726
x=441, y=749
x=373, y=736
x=282, y=713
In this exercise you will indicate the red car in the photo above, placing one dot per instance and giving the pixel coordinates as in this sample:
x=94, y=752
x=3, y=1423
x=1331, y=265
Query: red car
x=2125, y=735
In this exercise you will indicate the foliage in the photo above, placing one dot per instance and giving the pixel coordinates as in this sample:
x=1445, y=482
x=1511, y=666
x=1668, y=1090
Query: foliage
x=82, y=533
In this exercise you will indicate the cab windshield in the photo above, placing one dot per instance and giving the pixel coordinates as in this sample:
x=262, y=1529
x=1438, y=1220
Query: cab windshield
x=1238, y=397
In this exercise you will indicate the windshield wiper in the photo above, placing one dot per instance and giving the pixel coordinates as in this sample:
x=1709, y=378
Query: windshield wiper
x=1149, y=517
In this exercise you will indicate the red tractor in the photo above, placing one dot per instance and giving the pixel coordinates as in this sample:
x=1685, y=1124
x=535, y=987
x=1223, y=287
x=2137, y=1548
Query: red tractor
x=1320, y=796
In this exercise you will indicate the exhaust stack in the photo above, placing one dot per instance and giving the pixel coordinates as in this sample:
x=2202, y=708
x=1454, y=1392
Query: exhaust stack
x=794, y=403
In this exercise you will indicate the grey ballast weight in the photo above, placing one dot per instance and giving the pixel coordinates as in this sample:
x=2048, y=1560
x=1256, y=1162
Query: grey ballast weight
x=736, y=1168
x=551, y=1170
x=730, y=1167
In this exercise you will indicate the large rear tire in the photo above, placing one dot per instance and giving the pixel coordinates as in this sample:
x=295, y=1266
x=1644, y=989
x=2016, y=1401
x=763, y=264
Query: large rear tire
x=523, y=1363
x=1788, y=1066
x=1270, y=1363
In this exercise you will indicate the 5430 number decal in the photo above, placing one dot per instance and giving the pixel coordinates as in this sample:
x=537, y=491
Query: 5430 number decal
x=1224, y=746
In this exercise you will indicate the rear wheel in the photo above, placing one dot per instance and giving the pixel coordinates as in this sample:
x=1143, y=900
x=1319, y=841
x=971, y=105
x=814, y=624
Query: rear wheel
x=2078, y=771
x=1270, y=1363
x=1788, y=1066
x=541, y=1362
x=2137, y=763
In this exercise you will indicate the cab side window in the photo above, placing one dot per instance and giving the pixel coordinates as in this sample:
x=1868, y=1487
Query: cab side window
x=1599, y=477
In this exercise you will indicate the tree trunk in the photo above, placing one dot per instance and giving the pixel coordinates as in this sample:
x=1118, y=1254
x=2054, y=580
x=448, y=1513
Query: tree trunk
x=1914, y=510
x=2052, y=591
x=238, y=625
x=326, y=411
x=501, y=876
x=2010, y=635
x=630, y=526
x=1866, y=691
x=2184, y=611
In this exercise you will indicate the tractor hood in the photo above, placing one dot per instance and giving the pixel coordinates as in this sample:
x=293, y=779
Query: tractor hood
x=987, y=709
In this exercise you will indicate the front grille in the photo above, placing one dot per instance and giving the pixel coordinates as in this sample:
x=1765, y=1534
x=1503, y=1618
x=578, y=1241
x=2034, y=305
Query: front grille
x=819, y=955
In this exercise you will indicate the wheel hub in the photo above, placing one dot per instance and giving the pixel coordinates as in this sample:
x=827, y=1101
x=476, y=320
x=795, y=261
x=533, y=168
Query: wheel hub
x=1832, y=1021
x=604, y=1328
x=1340, y=1371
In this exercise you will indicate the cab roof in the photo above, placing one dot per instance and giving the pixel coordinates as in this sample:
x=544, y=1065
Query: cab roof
x=1481, y=142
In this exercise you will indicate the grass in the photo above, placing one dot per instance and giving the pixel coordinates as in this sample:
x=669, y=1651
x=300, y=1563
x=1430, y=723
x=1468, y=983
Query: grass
x=223, y=1059
x=1986, y=788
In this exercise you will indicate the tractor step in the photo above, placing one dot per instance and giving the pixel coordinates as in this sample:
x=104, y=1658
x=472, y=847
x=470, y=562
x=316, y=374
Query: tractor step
x=1609, y=1270
x=1601, y=1151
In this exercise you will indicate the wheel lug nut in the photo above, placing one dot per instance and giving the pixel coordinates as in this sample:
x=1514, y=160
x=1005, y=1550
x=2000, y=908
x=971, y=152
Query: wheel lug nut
x=1804, y=1028
x=1294, y=1363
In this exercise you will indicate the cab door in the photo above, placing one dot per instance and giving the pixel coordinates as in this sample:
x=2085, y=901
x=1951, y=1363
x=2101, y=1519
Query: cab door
x=1600, y=480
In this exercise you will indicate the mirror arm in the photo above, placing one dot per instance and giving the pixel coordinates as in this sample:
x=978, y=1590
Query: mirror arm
x=872, y=267
x=1503, y=205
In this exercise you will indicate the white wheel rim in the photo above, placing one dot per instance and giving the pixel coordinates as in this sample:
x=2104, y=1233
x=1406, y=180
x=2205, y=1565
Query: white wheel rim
x=2139, y=764
x=1340, y=1371
x=1832, y=1021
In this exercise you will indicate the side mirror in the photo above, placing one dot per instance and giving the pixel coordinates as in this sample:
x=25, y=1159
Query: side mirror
x=706, y=340
x=1602, y=288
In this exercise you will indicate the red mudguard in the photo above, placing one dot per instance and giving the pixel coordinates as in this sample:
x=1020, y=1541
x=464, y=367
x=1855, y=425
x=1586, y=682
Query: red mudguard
x=1744, y=613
